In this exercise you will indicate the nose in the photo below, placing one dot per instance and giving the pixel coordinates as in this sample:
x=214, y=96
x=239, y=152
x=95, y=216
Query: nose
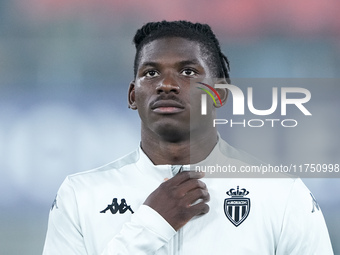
x=167, y=85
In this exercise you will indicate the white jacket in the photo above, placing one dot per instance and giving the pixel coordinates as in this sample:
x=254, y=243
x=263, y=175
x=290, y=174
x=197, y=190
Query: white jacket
x=274, y=216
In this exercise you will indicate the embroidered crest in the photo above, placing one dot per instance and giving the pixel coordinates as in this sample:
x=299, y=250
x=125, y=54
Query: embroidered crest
x=115, y=207
x=237, y=207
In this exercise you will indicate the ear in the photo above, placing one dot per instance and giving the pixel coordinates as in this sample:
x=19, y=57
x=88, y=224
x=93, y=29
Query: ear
x=131, y=96
x=223, y=93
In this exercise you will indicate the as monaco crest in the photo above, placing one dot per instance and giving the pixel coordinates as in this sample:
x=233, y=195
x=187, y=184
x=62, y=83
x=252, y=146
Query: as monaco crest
x=237, y=207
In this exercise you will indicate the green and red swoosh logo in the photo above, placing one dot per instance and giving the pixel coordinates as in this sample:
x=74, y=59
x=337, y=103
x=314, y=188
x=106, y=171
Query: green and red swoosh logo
x=208, y=92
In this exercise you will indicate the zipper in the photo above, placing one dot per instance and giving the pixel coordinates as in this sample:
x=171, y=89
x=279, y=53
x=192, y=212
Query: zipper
x=179, y=242
x=175, y=247
x=176, y=244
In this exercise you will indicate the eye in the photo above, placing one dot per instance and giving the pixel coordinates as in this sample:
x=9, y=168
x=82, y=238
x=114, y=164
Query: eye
x=151, y=73
x=188, y=72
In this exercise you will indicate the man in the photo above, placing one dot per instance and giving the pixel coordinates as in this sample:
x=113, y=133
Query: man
x=173, y=210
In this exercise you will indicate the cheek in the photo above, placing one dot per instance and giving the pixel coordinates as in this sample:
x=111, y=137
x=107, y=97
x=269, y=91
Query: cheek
x=141, y=97
x=138, y=96
x=195, y=99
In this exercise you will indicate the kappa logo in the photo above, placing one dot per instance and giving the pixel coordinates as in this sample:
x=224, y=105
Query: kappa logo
x=237, y=207
x=115, y=207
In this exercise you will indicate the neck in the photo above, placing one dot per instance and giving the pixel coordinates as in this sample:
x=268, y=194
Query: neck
x=186, y=151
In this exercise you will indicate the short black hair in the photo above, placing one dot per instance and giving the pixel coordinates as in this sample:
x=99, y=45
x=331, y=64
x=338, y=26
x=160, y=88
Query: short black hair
x=201, y=33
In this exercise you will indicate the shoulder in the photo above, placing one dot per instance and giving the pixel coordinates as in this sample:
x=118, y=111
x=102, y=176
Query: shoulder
x=117, y=167
x=237, y=154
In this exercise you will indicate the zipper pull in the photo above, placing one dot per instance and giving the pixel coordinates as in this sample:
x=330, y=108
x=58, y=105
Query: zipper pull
x=176, y=169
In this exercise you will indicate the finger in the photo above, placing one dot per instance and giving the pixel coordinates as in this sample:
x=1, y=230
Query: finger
x=197, y=194
x=189, y=185
x=184, y=176
x=199, y=209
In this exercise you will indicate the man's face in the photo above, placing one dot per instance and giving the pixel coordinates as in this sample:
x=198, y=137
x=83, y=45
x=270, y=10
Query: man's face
x=161, y=89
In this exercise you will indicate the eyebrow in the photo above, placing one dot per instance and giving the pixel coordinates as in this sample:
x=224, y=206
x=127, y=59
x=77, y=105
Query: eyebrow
x=189, y=62
x=180, y=63
x=149, y=63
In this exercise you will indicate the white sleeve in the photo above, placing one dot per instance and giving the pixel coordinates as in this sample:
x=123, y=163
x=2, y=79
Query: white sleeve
x=145, y=233
x=64, y=234
x=304, y=230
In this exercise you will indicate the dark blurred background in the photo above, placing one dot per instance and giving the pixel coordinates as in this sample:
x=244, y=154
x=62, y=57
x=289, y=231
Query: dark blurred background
x=65, y=66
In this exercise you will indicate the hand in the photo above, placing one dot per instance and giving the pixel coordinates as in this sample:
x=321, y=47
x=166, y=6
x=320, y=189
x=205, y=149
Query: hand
x=174, y=199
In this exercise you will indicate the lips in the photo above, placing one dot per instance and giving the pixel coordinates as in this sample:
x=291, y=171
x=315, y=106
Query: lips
x=167, y=107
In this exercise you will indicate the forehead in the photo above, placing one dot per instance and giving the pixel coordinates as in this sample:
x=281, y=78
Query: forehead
x=173, y=49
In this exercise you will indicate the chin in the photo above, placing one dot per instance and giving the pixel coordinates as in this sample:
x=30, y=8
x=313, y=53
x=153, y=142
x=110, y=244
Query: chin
x=173, y=134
